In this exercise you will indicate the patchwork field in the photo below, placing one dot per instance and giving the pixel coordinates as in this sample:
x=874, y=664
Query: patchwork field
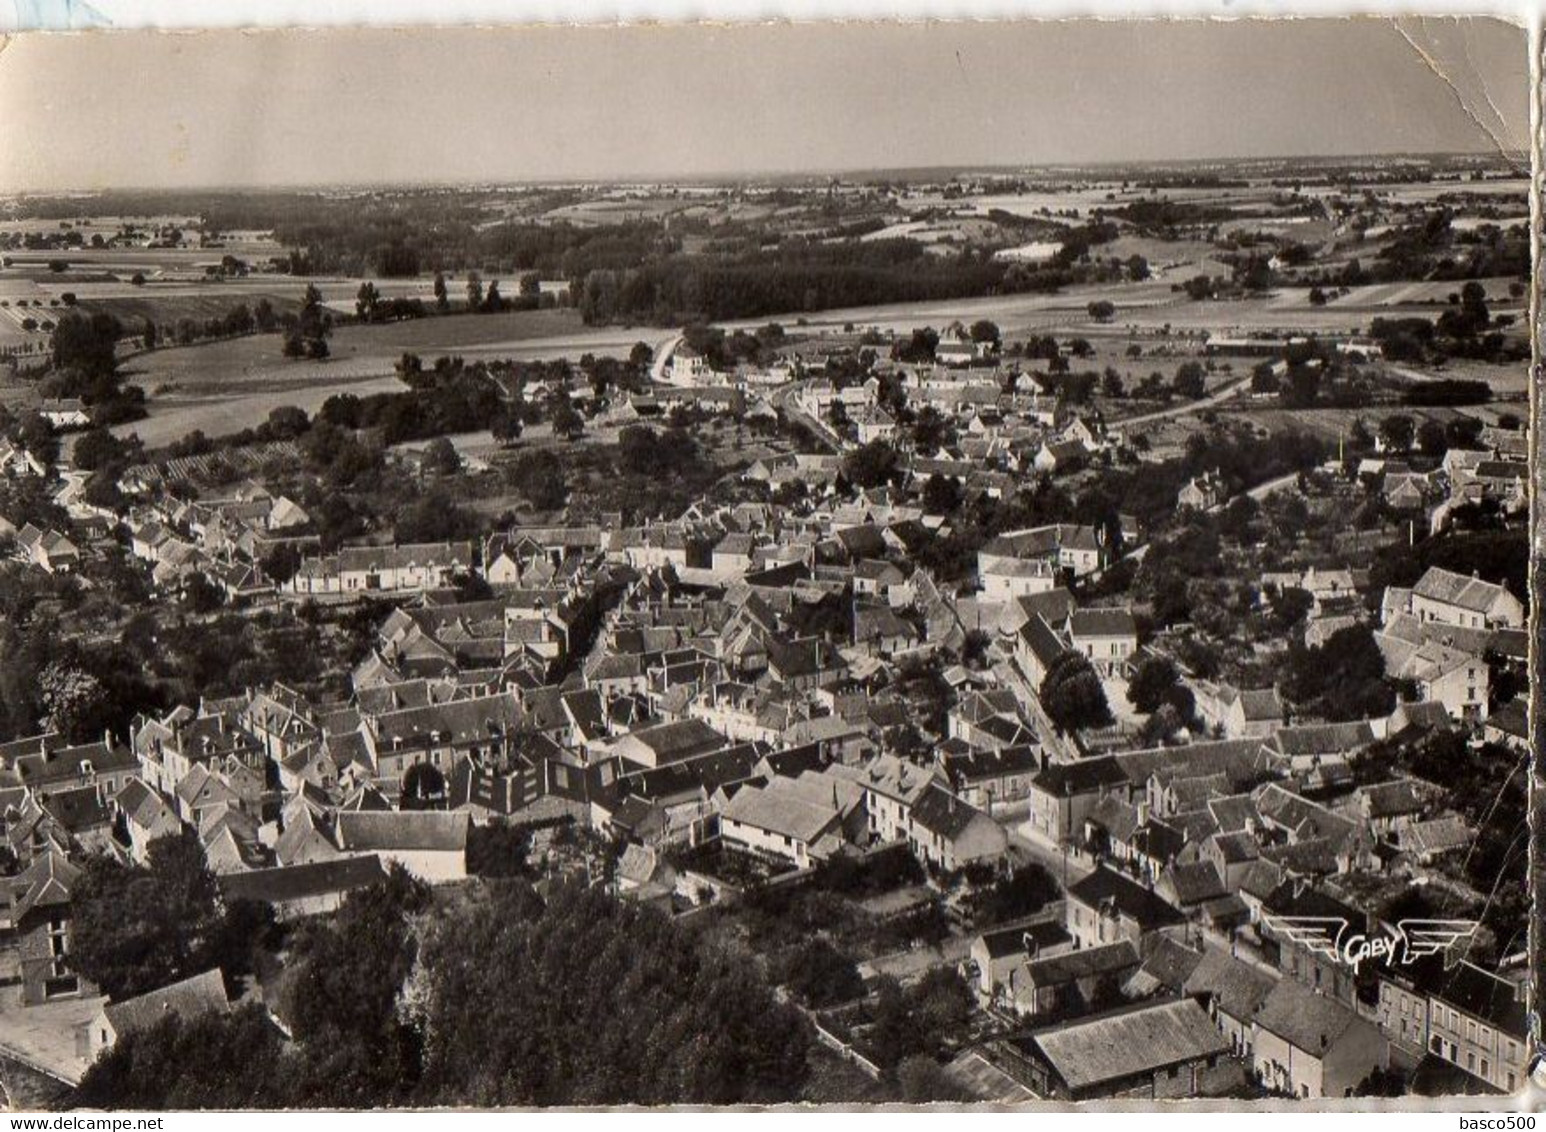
x=226, y=386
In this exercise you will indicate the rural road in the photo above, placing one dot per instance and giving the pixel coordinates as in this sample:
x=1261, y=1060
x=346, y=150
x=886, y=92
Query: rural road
x=1217, y=397
x=783, y=398
x=663, y=354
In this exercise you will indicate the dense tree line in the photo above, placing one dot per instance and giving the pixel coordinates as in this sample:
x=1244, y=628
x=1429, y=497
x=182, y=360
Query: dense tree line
x=500, y=999
x=795, y=276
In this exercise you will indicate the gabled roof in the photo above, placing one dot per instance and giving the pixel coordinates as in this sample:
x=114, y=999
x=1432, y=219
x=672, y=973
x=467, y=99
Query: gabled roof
x=1086, y=623
x=1131, y=899
x=371, y=831
x=1310, y=1022
x=191, y=998
x=1237, y=986
x=46, y=883
x=1131, y=1042
x=943, y=814
x=1086, y=962
x=299, y=882
x=1470, y=593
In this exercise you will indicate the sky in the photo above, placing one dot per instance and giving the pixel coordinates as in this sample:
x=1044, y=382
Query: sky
x=152, y=110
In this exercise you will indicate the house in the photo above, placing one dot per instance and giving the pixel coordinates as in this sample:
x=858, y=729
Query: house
x=874, y=424
x=878, y=578
x=946, y=833
x=1233, y=991
x=797, y=820
x=63, y=413
x=1000, y=950
x=48, y=549
x=996, y=776
x=1037, y=648
x=1458, y=680
x=1004, y=579
x=1063, y=795
x=430, y=845
x=1071, y=981
x=1106, y=907
x=892, y=786
x=1109, y=637
x=1060, y=457
x=1464, y=601
x=37, y=915
x=385, y=569
x=1252, y=713
x=1202, y=493
x=1309, y=1046
x=146, y=816
x=1150, y=1051
x=47, y=765
x=1509, y=726
x=200, y=996
x=670, y=742
x=881, y=631
x=687, y=366
x=957, y=350
x=18, y=461
x=310, y=889
x=1461, y=1014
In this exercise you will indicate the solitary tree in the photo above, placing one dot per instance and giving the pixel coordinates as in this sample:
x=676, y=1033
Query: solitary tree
x=1072, y=694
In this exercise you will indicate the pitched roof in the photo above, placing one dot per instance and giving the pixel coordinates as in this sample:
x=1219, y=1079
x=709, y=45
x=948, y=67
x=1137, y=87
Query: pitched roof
x=373, y=831
x=943, y=814
x=1130, y=1042
x=1102, y=623
x=1308, y=1021
x=1087, y=962
x=1237, y=986
x=1473, y=594
x=191, y=998
x=1131, y=899
x=298, y=882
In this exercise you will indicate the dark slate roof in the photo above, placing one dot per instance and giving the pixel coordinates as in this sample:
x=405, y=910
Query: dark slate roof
x=1479, y=993
x=942, y=813
x=1056, y=970
x=1011, y=939
x=297, y=882
x=370, y=831
x=1132, y=899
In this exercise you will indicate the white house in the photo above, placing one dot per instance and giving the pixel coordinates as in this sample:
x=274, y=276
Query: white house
x=429, y=844
x=1311, y=1046
x=1468, y=602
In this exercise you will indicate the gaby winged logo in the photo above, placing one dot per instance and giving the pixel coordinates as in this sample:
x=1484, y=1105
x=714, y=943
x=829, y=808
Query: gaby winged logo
x=1404, y=943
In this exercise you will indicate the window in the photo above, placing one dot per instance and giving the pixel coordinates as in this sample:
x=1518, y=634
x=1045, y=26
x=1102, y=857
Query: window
x=1486, y=1069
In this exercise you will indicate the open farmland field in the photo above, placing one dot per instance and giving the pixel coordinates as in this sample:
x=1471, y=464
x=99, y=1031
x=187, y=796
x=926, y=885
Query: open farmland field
x=361, y=351
x=1330, y=423
x=1152, y=305
x=174, y=417
x=165, y=309
x=226, y=386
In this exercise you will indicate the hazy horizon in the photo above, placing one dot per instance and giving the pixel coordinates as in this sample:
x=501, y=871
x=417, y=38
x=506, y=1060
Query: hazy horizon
x=360, y=109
